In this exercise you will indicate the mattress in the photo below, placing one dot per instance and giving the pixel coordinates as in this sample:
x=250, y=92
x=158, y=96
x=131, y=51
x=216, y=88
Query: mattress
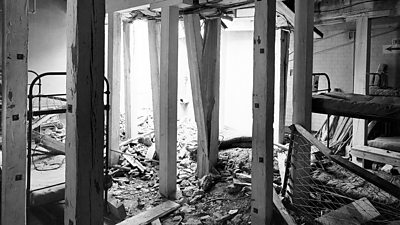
x=47, y=180
x=387, y=143
x=357, y=106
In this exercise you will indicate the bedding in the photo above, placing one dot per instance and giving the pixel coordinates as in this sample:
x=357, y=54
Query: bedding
x=357, y=106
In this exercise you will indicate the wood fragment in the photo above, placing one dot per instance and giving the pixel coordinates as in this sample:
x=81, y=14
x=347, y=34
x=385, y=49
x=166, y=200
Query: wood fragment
x=135, y=163
x=151, y=214
x=156, y=222
x=117, y=208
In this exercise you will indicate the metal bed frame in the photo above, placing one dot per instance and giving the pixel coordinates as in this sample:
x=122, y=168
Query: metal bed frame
x=316, y=90
x=31, y=96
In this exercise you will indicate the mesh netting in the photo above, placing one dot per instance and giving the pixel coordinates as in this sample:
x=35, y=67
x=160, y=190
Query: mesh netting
x=318, y=186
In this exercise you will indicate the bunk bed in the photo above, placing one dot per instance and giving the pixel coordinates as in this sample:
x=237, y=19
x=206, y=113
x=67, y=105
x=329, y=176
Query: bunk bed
x=46, y=168
x=369, y=107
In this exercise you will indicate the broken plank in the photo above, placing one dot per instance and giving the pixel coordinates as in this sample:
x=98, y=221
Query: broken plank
x=135, y=163
x=135, y=138
x=41, y=120
x=357, y=212
x=194, y=46
x=152, y=214
x=48, y=143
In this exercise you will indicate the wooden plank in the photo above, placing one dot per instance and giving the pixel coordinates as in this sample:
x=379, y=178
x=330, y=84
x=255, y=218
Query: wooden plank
x=48, y=143
x=114, y=78
x=124, y=5
x=194, y=46
x=290, y=16
x=131, y=129
x=361, y=69
x=368, y=176
x=210, y=85
x=154, y=52
x=302, y=90
x=85, y=114
x=166, y=3
x=282, y=210
x=168, y=100
x=281, y=65
x=151, y=214
x=360, y=211
x=375, y=154
x=263, y=112
x=15, y=55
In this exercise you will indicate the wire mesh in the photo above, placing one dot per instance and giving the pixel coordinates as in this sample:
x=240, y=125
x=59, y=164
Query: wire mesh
x=318, y=186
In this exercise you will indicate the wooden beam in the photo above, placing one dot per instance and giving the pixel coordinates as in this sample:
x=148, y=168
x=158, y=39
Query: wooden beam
x=131, y=129
x=194, y=46
x=361, y=69
x=210, y=84
x=168, y=100
x=204, y=68
x=302, y=88
x=85, y=114
x=154, y=52
x=124, y=5
x=166, y=3
x=290, y=16
x=281, y=65
x=303, y=63
x=114, y=78
x=263, y=112
x=15, y=55
x=333, y=12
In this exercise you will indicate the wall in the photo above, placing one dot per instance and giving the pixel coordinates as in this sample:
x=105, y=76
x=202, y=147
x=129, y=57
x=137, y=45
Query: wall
x=47, y=42
x=384, y=30
x=237, y=80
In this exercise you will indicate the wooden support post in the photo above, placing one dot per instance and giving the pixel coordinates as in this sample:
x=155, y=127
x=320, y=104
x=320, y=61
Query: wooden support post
x=85, y=114
x=302, y=89
x=361, y=70
x=168, y=100
x=15, y=79
x=209, y=83
x=114, y=78
x=263, y=112
x=204, y=75
x=131, y=129
x=281, y=65
x=194, y=46
x=154, y=52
